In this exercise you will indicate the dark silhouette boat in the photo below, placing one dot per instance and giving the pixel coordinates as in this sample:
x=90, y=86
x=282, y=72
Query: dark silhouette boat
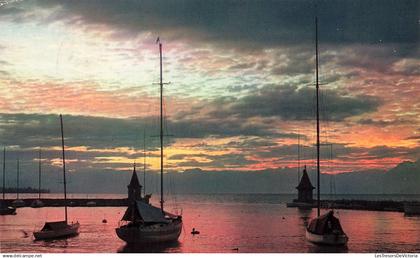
x=59, y=229
x=325, y=229
x=142, y=222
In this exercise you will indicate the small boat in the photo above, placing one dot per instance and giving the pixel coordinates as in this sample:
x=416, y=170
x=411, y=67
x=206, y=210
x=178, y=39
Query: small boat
x=91, y=203
x=59, y=229
x=6, y=210
x=148, y=225
x=325, y=229
x=143, y=223
x=38, y=203
x=18, y=203
x=412, y=208
x=194, y=232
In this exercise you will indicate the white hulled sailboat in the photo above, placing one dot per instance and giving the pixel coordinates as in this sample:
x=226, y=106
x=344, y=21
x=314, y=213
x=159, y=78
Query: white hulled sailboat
x=59, y=229
x=145, y=223
x=325, y=229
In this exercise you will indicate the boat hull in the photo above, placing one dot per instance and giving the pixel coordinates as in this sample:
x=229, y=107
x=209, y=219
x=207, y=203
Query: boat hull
x=69, y=231
x=37, y=204
x=327, y=239
x=8, y=211
x=156, y=233
x=18, y=203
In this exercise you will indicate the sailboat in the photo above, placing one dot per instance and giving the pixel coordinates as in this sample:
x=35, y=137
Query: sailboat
x=38, y=203
x=4, y=209
x=18, y=202
x=147, y=224
x=59, y=229
x=325, y=229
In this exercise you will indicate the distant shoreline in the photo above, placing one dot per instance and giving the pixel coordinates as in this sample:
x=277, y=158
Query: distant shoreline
x=24, y=190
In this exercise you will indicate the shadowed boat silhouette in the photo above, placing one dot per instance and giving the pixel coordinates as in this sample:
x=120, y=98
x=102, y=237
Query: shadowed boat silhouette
x=59, y=229
x=142, y=222
x=325, y=229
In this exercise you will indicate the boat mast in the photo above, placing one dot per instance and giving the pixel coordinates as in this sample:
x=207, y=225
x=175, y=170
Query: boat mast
x=161, y=128
x=298, y=151
x=17, y=178
x=4, y=172
x=64, y=168
x=39, y=174
x=317, y=117
x=144, y=163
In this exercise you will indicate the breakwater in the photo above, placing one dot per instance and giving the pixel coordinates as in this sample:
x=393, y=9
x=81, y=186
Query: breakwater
x=369, y=205
x=356, y=205
x=75, y=202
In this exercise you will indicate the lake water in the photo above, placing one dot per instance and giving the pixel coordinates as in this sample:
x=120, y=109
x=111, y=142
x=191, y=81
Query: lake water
x=258, y=223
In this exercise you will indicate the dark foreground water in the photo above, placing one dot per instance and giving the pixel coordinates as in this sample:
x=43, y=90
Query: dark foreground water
x=228, y=223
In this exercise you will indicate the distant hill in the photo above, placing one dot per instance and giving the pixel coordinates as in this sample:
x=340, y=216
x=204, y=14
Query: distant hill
x=402, y=179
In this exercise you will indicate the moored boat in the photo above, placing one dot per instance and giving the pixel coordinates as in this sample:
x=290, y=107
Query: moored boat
x=146, y=224
x=325, y=229
x=59, y=229
x=37, y=204
x=6, y=210
x=18, y=203
x=143, y=223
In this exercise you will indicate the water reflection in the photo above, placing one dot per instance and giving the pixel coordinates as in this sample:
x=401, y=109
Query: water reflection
x=304, y=215
x=58, y=243
x=327, y=249
x=149, y=248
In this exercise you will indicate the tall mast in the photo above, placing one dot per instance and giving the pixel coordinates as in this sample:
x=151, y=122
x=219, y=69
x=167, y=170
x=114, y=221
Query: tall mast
x=64, y=168
x=161, y=128
x=4, y=172
x=298, y=150
x=17, y=178
x=39, y=174
x=144, y=163
x=317, y=117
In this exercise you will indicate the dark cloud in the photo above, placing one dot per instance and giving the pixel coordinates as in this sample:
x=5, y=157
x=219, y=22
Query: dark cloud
x=231, y=160
x=253, y=23
x=383, y=123
x=292, y=103
x=31, y=130
x=415, y=137
x=338, y=151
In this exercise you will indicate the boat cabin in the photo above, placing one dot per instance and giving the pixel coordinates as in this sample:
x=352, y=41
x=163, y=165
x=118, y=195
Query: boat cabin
x=325, y=224
x=140, y=211
x=54, y=226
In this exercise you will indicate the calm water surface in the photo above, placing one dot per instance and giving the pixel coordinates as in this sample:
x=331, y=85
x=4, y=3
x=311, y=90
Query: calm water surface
x=228, y=223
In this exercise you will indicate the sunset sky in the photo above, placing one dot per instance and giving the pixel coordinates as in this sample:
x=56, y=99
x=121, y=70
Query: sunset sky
x=241, y=86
